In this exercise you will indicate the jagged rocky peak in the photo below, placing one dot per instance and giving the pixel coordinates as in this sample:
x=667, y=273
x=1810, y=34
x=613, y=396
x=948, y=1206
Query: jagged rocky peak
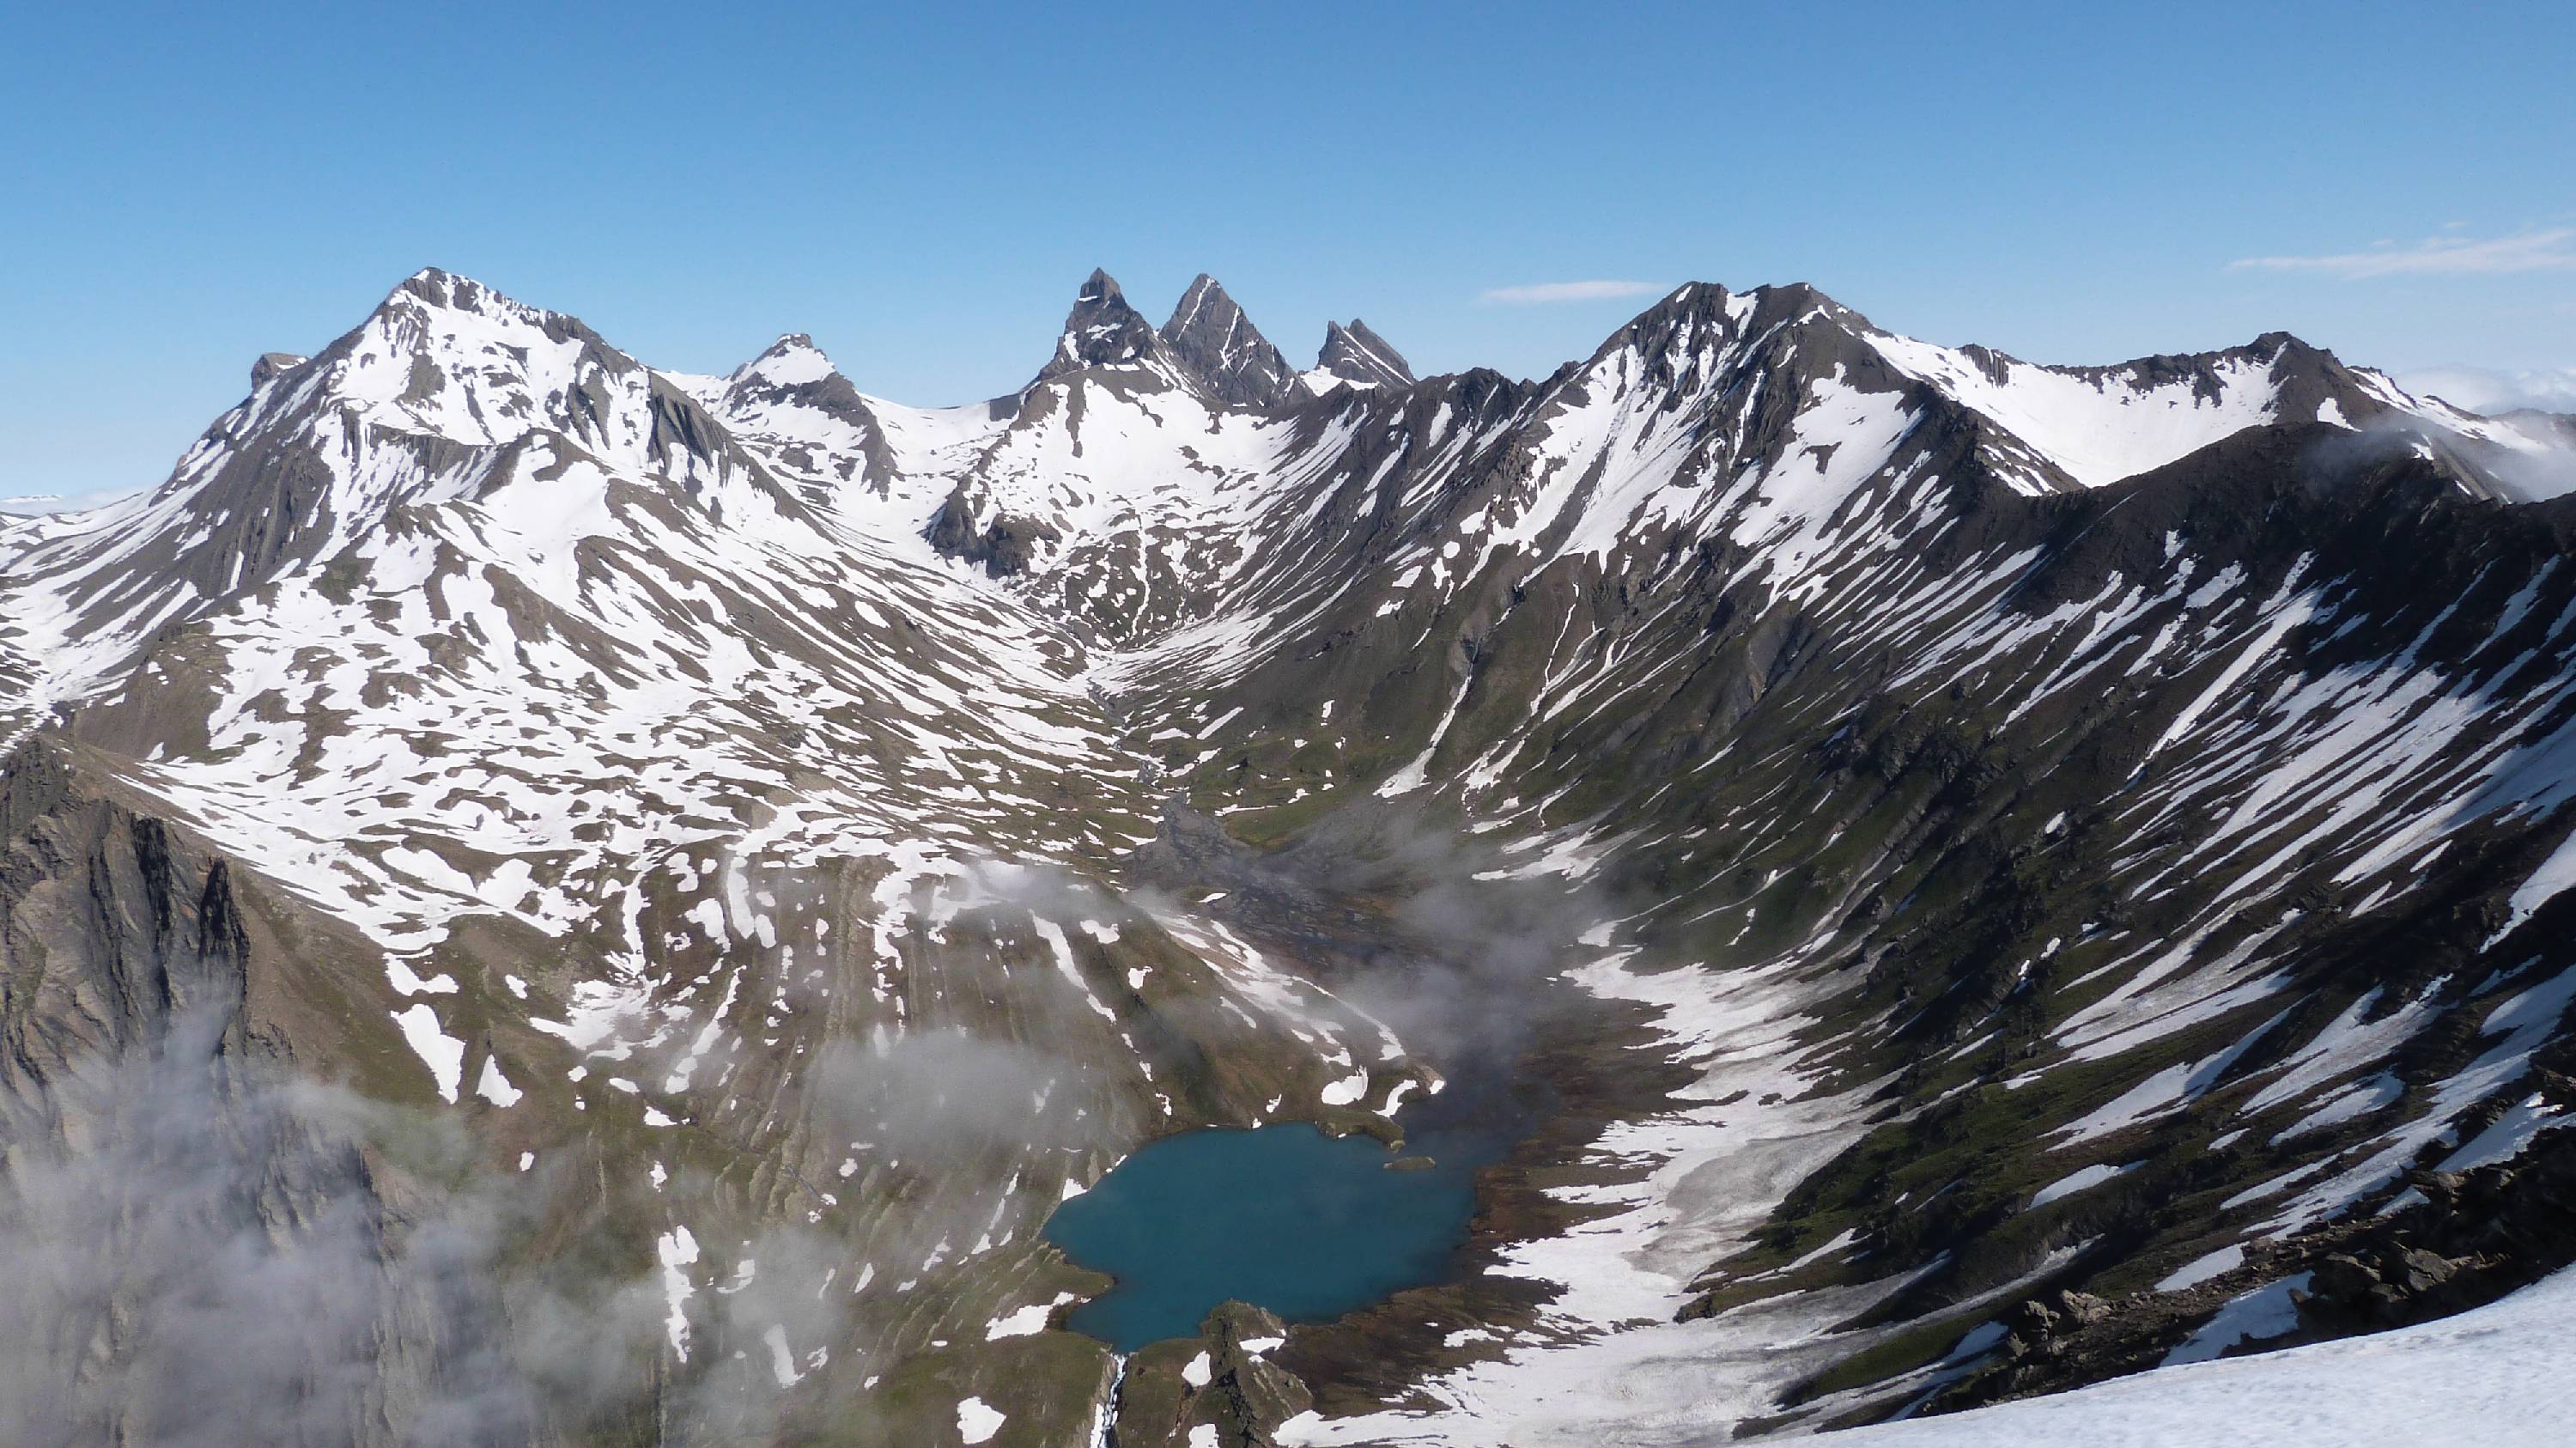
x=1697, y=331
x=273, y=365
x=446, y=355
x=1209, y=348
x=1102, y=330
x=2301, y=374
x=462, y=326
x=2042, y=428
x=1355, y=354
x=1220, y=349
x=431, y=291
x=458, y=325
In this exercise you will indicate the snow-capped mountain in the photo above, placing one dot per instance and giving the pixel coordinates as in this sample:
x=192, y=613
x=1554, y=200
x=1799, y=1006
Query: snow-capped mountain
x=2003, y=867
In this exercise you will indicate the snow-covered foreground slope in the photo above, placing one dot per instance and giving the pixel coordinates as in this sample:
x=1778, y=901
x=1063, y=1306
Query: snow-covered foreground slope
x=1941, y=832
x=2495, y=1374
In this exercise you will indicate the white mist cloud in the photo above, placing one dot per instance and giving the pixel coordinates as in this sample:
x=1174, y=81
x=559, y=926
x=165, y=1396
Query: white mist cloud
x=1588, y=291
x=2449, y=255
x=2492, y=390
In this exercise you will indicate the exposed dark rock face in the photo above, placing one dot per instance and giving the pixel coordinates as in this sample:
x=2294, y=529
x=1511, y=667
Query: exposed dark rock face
x=2470, y=1239
x=794, y=376
x=273, y=364
x=1223, y=1379
x=1002, y=547
x=1210, y=337
x=1355, y=354
x=205, y=1243
x=1102, y=330
x=1208, y=347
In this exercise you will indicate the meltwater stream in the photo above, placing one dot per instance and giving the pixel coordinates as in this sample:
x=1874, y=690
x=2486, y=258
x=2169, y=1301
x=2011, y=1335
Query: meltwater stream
x=1307, y=1225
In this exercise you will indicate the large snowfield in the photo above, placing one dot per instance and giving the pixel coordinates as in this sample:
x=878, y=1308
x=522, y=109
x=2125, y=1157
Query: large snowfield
x=2504, y=1374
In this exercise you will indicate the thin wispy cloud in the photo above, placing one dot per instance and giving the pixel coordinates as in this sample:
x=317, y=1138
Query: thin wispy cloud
x=1588, y=291
x=2448, y=255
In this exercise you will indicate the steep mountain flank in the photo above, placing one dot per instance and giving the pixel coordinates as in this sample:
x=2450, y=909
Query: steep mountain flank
x=206, y=1242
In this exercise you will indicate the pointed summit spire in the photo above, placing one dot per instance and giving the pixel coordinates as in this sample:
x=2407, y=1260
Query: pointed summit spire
x=1355, y=354
x=1101, y=331
x=1218, y=347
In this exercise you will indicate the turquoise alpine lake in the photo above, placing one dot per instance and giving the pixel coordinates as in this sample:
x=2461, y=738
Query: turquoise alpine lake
x=1307, y=1225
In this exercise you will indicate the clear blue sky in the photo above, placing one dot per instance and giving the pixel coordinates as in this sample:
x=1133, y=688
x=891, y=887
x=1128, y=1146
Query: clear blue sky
x=184, y=187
